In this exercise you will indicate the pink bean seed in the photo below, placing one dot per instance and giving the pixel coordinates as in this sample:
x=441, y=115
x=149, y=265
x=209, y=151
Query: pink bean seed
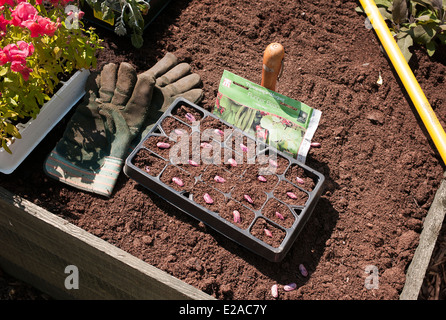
x=248, y=198
x=261, y=178
x=300, y=180
x=243, y=147
x=278, y=215
x=190, y=117
x=193, y=163
x=232, y=162
x=208, y=198
x=147, y=168
x=178, y=181
x=268, y=233
x=315, y=144
x=303, y=270
x=219, y=179
x=236, y=216
x=179, y=132
x=273, y=163
x=163, y=145
x=206, y=145
x=219, y=132
x=274, y=291
x=290, y=287
x=291, y=195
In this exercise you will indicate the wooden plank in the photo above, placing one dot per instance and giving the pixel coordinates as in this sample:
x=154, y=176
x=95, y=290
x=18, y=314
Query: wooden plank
x=36, y=246
x=428, y=238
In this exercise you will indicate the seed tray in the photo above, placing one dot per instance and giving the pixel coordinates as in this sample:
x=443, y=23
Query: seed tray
x=272, y=212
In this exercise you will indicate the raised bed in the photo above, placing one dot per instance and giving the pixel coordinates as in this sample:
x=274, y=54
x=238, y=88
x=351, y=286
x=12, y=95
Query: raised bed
x=36, y=246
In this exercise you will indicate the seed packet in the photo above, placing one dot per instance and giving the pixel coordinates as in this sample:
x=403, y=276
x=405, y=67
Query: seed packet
x=284, y=123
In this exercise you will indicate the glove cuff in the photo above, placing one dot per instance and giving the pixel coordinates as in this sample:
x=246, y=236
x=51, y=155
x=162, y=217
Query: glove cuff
x=101, y=181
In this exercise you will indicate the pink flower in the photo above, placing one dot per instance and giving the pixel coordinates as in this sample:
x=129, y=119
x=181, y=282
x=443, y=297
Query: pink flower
x=19, y=51
x=11, y=3
x=3, y=23
x=23, y=12
x=18, y=66
x=40, y=26
x=17, y=54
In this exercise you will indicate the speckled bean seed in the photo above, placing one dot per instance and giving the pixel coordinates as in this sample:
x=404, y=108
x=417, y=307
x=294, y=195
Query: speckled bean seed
x=178, y=181
x=273, y=163
x=291, y=195
x=278, y=215
x=190, y=117
x=300, y=180
x=206, y=145
x=219, y=179
x=290, y=287
x=248, y=198
x=236, y=216
x=219, y=132
x=208, y=198
x=303, y=270
x=193, y=163
x=268, y=233
x=274, y=291
x=232, y=162
x=163, y=145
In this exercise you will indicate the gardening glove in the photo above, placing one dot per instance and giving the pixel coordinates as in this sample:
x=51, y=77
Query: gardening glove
x=173, y=80
x=91, y=152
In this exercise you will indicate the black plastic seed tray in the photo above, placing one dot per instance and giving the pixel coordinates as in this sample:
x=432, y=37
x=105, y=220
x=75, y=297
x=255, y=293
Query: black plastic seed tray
x=262, y=202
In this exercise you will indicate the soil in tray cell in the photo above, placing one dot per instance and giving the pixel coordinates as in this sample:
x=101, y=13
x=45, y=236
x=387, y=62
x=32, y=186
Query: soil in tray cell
x=202, y=193
x=211, y=125
x=155, y=144
x=290, y=194
x=279, y=213
x=148, y=162
x=266, y=232
x=219, y=178
x=265, y=182
x=233, y=162
x=173, y=128
x=177, y=178
x=272, y=163
x=184, y=113
x=243, y=145
x=299, y=176
x=242, y=218
x=245, y=192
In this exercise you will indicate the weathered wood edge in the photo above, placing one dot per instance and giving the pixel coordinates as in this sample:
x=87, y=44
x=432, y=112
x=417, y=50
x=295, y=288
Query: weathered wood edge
x=431, y=228
x=36, y=246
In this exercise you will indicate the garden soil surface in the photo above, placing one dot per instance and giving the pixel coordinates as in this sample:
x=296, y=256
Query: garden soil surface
x=381, y=168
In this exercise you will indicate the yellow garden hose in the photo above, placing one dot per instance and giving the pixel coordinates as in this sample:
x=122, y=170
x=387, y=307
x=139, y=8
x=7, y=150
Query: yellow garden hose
x=409, y=81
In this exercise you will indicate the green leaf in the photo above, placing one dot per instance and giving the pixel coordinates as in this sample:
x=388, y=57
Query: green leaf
x=399, y=11
x=430, y=46
x=404, y=42
x=5, y=146
x=137, y=40
x=424, y=33
x=12, y=130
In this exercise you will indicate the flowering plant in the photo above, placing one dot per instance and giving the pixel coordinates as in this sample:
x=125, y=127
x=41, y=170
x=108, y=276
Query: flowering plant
x=40, y=43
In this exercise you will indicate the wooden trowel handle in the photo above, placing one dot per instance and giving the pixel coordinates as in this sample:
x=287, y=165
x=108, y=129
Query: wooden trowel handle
x=272, y=63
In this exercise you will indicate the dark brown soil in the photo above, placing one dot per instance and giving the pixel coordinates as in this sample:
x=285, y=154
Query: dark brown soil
x=381, y=168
